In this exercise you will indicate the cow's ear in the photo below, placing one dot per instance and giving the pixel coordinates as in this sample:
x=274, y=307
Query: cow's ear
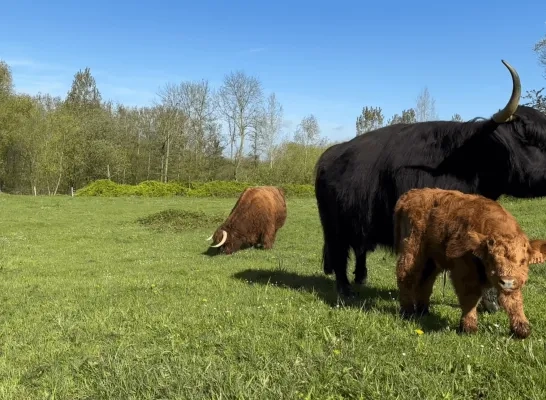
x=463, y=242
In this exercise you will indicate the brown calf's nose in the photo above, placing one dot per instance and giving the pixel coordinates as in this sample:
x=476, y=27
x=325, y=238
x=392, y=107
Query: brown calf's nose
x=507, y=283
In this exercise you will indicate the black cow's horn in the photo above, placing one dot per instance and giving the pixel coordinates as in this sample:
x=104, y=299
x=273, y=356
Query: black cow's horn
x=224, y=238
x=506, y=114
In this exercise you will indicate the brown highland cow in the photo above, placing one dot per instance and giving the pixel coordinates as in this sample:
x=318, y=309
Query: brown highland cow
x=255, y=219
x=474, y=238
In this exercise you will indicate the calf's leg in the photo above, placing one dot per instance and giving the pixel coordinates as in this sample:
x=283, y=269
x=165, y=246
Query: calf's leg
x=513, y=304
x=424, y=287
x=409, y=268
x=468, y=289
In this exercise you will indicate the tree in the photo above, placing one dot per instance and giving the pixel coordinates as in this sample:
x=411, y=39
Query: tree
x=540, y=49
x=83, y=92
x=307, y=134
x=408, y=117
x=457, y=117
x=536, y=100
x=171, y=121
x=273, y=119
x=6, y=79
x=370, y=119
x=425, y=109
x=240, y=101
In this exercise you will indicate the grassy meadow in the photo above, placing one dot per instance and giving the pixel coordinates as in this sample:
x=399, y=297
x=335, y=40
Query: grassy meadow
x=112, y=298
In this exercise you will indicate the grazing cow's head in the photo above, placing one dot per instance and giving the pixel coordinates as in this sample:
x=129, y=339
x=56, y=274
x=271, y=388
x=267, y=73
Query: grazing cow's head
x=506, y=259
x=224, y=242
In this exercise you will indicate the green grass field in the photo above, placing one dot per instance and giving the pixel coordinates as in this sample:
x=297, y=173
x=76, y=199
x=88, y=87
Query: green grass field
x=97, y=305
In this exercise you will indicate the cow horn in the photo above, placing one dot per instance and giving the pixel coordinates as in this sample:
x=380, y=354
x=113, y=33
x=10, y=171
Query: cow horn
x=506, y=114
x=224, y=238
x=209, y=238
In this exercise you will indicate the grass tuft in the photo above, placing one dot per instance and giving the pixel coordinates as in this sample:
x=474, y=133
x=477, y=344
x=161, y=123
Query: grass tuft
x=179, y=220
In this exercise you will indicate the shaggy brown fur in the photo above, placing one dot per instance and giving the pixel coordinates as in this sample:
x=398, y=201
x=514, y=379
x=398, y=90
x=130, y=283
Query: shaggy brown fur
x=489, y=296
x=255, y=219
x=450, y=229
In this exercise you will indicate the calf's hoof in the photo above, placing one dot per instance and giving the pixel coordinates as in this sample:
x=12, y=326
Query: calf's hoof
x=468, y=327
x=407, y=312
x=422, y=310
x=521, y=330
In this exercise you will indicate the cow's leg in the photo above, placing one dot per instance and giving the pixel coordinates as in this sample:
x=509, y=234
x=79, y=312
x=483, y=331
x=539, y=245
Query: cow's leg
x=409, y=269
x=268, y=238
x=424, y=287
x=489, y=299
x=513, y=304
x=361, y=271
x=467, y=286
x=335, y=255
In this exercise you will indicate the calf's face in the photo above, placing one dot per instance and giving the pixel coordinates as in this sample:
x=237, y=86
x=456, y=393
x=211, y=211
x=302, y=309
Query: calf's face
x=507, y=263
x=506, y=260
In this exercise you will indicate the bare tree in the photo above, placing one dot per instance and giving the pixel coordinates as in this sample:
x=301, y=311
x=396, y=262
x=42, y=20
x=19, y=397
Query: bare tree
x=307, y=134
x=240, y=101
x=273, y=119
x=171, y=123
x=197, y=103
x=540, y=49
x=457, y=117
x=425, y=109
x=536, y=100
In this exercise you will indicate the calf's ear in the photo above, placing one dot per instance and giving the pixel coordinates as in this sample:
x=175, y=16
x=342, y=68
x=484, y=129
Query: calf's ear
x=535, y=256
x=463, y=242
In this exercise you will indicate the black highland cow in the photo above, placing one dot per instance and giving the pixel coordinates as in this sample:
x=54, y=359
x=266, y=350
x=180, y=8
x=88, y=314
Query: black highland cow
x=359, y=181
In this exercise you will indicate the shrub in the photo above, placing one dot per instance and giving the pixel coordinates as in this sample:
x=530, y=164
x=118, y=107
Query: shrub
x=108, y=188
x=293, y=190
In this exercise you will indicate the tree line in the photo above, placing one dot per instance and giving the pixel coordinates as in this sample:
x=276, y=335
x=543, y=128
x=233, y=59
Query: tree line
x=191, y=132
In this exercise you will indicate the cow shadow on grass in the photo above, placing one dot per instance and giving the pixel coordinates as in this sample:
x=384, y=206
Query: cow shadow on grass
x=365, y=298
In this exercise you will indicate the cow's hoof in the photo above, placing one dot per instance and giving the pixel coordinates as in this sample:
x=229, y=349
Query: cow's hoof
x=345, y=291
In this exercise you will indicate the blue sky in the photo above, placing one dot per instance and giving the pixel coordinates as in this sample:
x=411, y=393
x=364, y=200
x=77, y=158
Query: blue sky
x=326, y=58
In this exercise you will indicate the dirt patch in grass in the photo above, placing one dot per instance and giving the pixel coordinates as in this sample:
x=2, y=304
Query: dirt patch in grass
x=179, y=220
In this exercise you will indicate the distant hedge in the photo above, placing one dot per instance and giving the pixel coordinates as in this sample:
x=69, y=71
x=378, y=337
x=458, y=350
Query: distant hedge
x=108, y=188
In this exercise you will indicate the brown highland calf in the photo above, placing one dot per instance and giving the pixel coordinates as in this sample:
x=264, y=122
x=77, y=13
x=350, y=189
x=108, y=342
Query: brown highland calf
x=474, y=238
x=489, y=296
x=255, y=219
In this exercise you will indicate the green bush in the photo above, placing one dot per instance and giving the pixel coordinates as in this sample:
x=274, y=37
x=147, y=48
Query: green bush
x=293, y=190
x=218, y=189
x=108, y=188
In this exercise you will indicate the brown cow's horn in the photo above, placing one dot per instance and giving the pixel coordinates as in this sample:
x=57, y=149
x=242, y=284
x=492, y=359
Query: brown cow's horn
x=209, y=238
x=506, y=114
x=224, y=238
